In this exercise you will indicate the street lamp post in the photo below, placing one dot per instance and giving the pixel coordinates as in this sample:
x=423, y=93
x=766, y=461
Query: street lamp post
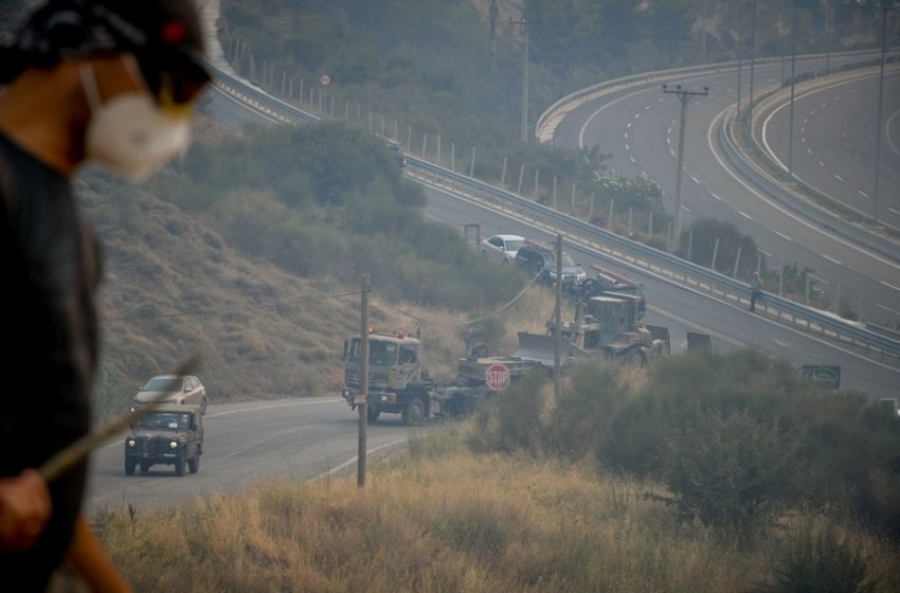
x=884, y=6
x=684, y=96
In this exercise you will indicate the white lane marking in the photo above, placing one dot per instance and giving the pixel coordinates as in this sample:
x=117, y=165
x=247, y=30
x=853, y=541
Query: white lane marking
x=838, y=177
x=672, y=152
x=832, y=260
x=637, y=115
x=809, y=150
x=646, y=107
x=864, y=194
x=812, y=111
x=694, y=179
x=780, y=343
x=626, y=135
x=661, y=99
x=783, y=236
x=716, y=197
x=747, y=216
x=629, y=125
x=685, y=208
x=627, y=147
x=887, y=132
x=890, y=286
x=821, y=164
x=886, y=308
x=897, y=212
x=631, y=158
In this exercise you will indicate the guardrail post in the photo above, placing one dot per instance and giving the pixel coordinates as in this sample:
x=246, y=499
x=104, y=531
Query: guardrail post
x=452, y=156
x=472, y=164
x=409, y=137
x=439, y=149
x=591, y=207
x=712, y=265
x=573, y=198
x=503, y=174
x=650, y=225
x=630, y=220
x=609, y=224
x=737, y=262
x=521, y=176
x=424, y=144
x=554, y=193
x=537, y=174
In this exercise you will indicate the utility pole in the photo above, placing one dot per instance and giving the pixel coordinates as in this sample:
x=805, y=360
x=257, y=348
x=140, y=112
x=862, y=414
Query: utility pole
x=492, y=19
x=557, y=322
x=363, y=397
x=684, y=96
x=884, y=6
x=524, y=24
x=793, y=82
x=752, y=60
x=740, y=54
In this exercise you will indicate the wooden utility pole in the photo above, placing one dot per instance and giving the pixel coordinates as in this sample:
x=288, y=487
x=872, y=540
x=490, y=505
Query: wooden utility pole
x=684, y=96
x=557, y=322
x=363, y=396
x=524, y=24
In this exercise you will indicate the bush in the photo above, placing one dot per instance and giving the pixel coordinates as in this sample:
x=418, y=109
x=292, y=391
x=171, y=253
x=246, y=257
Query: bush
x=821, y=562
x=511, y=421
x=731, y=471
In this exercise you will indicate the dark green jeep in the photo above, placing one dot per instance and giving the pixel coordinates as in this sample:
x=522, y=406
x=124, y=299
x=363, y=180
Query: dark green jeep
x=172, y=434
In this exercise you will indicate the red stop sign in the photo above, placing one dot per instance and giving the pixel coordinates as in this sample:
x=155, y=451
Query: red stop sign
x=497, y=377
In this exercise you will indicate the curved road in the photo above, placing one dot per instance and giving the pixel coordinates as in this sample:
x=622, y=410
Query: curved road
x=834, y=141
x=310, y=438
x=639, y=127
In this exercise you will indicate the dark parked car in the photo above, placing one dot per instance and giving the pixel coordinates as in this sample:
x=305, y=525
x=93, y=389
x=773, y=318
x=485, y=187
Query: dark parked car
x=537, y=259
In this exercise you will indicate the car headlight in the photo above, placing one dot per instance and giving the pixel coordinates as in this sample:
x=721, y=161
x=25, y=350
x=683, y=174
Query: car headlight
x=173, y=445
x=131, y=442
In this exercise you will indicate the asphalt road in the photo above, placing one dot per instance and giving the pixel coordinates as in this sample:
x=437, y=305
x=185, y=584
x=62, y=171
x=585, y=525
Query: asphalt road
x=308, y=438
x=834, y=141
x=639, y=128
x=248, y=442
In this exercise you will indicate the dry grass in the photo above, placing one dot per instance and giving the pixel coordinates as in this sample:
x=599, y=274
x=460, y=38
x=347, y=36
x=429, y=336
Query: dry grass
x=439, y=519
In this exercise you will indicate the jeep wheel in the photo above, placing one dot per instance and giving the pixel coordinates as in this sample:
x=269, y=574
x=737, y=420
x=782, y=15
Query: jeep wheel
x=129, y=466
x=414, y=414
x=373, y=412
x=179, y=464
x=145, y=467
x=194, y=463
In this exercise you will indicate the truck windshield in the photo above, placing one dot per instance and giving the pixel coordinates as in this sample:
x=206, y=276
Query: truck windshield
x=165, y=421
x=380, y=352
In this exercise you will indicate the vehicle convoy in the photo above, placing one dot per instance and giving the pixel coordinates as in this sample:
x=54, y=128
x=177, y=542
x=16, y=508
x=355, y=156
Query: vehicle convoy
x=170, y=434
x=605, y=327
x=398, y=383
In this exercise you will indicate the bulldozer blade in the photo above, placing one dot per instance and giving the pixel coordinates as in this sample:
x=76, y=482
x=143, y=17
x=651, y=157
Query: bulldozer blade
x=542, y=348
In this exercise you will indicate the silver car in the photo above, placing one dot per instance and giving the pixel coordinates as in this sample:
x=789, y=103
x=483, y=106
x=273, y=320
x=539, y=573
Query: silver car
x=502, y=248
x=173, y=389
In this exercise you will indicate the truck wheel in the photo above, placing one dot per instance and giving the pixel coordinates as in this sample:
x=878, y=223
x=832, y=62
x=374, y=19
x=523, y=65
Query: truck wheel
x=372, y=413
x=179, y=464
x=129, y=466
x=414, y=414
x=194, y=463
x=145, y=467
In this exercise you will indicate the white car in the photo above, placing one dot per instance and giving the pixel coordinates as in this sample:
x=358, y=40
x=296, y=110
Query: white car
x=502, y=248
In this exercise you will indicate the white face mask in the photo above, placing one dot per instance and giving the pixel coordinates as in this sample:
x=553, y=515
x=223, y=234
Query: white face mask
x=129, y=135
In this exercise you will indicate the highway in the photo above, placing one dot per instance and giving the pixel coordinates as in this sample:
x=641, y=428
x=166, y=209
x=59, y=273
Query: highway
x=313, y=438
x=639, y=127
x=834, y=141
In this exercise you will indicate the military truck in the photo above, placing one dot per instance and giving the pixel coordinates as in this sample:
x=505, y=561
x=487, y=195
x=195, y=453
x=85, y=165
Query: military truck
x=399, y=383
x=170, y=434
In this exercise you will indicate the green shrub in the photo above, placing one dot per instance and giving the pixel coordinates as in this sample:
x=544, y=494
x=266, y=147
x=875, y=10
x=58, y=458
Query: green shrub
x=511, y=421
x=731, y=471
x=818, y=561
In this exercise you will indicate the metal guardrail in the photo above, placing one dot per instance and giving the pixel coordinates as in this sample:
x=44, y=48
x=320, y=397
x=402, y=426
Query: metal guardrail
x=649, y=258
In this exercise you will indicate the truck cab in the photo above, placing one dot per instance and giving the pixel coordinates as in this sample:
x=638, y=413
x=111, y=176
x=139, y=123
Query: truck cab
x=396, y=379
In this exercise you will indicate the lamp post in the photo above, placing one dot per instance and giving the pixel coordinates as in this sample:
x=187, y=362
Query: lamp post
x=684, y=96
x=884, y=6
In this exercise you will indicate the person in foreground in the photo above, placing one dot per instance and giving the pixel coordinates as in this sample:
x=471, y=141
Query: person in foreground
x=111, y=82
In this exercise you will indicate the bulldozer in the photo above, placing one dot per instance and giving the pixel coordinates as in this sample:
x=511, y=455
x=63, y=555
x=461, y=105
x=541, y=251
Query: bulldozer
x=605, y=327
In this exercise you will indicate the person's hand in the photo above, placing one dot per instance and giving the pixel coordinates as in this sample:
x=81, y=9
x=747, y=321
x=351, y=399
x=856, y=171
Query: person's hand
x=24, y=510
